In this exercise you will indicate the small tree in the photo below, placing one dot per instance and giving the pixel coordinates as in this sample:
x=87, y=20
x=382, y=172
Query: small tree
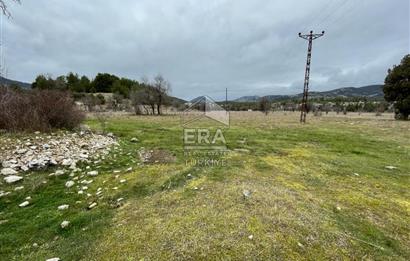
x=397, y=88
x=264, y=105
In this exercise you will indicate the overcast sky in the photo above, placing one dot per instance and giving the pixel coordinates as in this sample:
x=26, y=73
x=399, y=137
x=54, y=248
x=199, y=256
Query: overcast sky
x=250, y=47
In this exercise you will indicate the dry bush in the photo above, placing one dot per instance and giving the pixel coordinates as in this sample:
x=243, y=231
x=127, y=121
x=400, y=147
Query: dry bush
x=39, y=110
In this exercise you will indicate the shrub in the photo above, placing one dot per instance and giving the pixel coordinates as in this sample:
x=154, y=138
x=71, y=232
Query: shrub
x=37, y=110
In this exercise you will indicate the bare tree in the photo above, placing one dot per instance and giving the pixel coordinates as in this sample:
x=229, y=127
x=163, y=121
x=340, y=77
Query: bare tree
x=5, y=9
x=161, y=88
x=137, y=100
x=264, y=105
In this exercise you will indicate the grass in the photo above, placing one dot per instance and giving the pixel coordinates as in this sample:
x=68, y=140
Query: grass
x=307, y=200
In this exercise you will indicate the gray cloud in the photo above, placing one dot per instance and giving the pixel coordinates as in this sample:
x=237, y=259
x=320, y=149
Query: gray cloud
x=203, y=47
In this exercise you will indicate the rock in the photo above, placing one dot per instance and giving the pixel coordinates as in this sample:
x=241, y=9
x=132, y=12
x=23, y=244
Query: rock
x=53, y=162
x=59, y=172
x=63, y=207
x=356, y=174
x=250, y=237
x=67, y=162
x=21, y=151
x=73, y=166
x=123, y=181
x=69, y=184
x=24, y=168
x=12, y=179
x=3, y=194
x=189, y=176
x=65, y=224
x=246, y=193
x=93, y=205
x=8, y=171
x=24, y=204
x=134, y=140
x=18, y=188
x=242, y=150
x=54, y=259
x=391, y=167
x=129, y=169
x=35, y=245
x=92, y=173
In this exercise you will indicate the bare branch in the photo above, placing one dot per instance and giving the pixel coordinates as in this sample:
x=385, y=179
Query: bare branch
x=4, y=8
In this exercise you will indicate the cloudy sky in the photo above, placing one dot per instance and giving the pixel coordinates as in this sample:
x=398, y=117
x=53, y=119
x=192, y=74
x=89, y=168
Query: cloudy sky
x=250, y=47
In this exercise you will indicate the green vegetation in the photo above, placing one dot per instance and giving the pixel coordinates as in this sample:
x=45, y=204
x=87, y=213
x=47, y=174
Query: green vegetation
x=319, y=191
x=102, y=83
x=397, y=88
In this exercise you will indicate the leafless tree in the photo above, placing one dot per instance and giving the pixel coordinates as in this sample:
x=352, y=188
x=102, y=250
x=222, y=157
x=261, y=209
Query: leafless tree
x=5, y=9
x=264, y=105
x=137, y=100
x=149, y=96
x=161, y=88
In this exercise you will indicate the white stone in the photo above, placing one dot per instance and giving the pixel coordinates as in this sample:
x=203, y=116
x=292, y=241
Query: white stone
x=246, y=193
x=12, y=179
x=92, y=173
x=63, y=207
x=391, y=167
x=21, y=151
x=93, y=205
x=69, y=184
x=24, y=204
x=66, y=162
x=59, y=172
x=18, y=188
x=8, y=171
x=54, y=259
x=65, y=224
x=3, y=194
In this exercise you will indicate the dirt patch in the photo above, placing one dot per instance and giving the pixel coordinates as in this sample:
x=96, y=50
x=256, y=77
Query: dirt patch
x=156, y=156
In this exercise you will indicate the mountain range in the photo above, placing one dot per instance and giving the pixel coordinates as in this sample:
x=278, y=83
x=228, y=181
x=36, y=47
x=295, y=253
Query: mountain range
x=8, y=82
x=370, y=91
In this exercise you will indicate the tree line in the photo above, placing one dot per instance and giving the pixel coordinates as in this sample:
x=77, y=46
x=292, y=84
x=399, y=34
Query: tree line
x=146, y=96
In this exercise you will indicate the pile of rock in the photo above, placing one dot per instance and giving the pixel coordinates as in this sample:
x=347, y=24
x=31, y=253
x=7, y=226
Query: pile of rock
x=64, y=149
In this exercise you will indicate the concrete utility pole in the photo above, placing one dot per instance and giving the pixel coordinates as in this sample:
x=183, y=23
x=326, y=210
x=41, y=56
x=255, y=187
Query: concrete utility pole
x=304, y=108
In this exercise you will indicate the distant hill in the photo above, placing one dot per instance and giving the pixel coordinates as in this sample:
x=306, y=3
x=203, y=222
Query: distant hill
x=248, y=99
x=8, y=82
x=371, y=91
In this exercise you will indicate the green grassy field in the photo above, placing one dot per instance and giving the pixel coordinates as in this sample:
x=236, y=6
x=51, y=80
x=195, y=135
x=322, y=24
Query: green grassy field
x=319, y=191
